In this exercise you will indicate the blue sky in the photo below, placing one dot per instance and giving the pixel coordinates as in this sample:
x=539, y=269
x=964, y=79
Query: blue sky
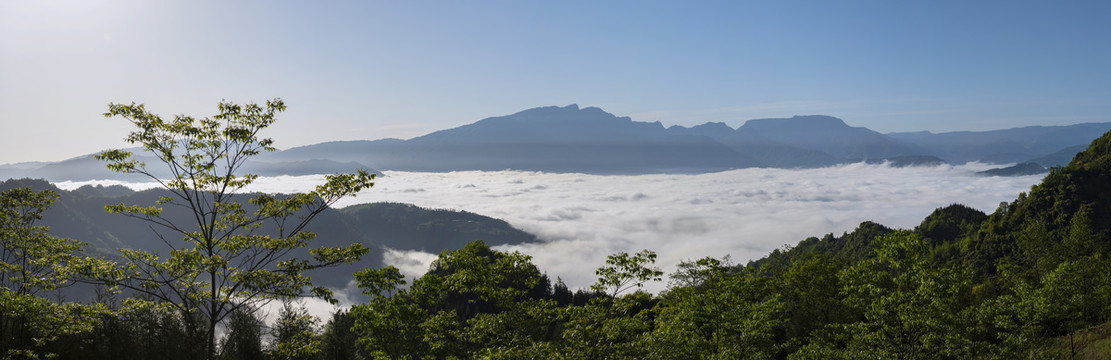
x=369, y=69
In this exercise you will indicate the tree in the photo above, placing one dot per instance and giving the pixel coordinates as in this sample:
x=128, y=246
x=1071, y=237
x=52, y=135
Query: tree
x=229, y=253
x=473, y=302
x=476, y=279
x=608, y=326
x=294, y=334
x=243, y=340
x=623, y=272
x=911, y=309
x=32, y=261
x=1071, y=297
x=699, y=273
x=389, y=325
x=340, y=340
x=710, y=313
x=811, y=294
x=561, y=294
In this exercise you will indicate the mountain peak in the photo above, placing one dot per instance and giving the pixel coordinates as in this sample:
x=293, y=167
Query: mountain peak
x=825, y=134
x=546, y=125
x=808, y=121
x=714, y=130
x=557, y=114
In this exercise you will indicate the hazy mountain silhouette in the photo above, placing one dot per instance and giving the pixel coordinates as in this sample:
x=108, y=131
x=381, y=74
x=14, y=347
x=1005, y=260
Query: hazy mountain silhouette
x=828, y=135
x=1027, y=168
x=1005, y=146
x=1059, y=158
x=590, y=140
x=85, y=168
x=573, y=139
x=557, y=139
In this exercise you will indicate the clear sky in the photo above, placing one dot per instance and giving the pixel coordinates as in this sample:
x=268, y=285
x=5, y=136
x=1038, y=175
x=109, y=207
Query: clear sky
x=373, y=69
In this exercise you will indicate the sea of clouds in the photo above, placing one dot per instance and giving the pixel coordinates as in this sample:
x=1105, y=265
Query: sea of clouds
x=580, y=219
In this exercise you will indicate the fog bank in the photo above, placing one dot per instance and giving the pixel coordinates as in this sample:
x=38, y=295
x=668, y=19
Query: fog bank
x=743, y=213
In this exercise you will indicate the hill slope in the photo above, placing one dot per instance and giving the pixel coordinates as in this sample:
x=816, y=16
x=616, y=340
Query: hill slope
x=80, y=214
x=1066, y=216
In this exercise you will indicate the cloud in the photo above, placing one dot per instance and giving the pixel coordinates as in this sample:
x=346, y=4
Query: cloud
x=137, y=186
x=580, y=219
x=412, y=264
x=745, y=213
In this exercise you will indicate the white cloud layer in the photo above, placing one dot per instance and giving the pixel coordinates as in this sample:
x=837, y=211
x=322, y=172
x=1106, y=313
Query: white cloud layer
x=744, y=213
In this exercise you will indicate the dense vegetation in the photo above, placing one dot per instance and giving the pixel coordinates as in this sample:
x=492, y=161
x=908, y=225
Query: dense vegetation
x=1030, y=280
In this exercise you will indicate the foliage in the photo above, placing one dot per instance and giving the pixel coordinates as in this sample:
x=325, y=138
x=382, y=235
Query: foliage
x=134, y=331
x=340, y=340
x=389, y=324
x=33, y=261
x=243, y=340
x=294, y=334
x=852, y=246
x=609, y=326
x=218, y=262
x=910, y=308
x=950, y=223
x=722, y=315
x=623, y=272
x=812, y=299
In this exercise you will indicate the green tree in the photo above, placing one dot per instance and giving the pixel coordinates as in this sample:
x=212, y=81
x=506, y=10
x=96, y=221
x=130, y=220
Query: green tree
x=230, y=253
x=243, y=340
x=715, y=314
x=623, y=272
x=137, y=332
x=911, y=310
x=811, y=293
x=699, y=273
x=609, y=326
x=1071, y=297
x=473, y=302
x=389, y=324
x=472, y=291
x=33, y=261
x=294, y=334
x=561, y=294
x=476, y=279
x=340, y=340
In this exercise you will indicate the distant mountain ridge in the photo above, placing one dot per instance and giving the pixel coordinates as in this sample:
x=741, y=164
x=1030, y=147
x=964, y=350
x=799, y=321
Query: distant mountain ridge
x=86, y=168
x=1025, y=144
x=590, y=140
x=80, y=214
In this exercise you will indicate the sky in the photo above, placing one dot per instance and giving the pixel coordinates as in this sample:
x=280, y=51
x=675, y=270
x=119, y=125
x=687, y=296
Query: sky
x=373, y=69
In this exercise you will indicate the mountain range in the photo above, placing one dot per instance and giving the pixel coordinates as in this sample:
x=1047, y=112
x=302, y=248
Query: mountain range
x=590, y=140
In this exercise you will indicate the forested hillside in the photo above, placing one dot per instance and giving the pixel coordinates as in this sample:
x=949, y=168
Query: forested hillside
x=79, y=214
